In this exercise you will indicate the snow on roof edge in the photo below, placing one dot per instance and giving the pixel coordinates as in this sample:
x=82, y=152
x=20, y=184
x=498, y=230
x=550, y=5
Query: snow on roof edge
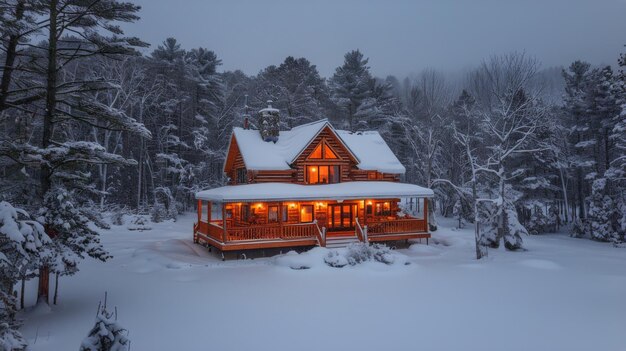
x=300, y=192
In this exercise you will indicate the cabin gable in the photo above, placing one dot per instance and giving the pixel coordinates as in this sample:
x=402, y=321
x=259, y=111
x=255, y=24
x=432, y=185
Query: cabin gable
x=341, y=157
x=234, y=165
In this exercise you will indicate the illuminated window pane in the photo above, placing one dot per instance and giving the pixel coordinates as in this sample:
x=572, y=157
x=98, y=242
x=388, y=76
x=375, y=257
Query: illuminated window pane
x=312, y=174
x=334, y=174
x=323, y=170
x=329, y=153
x=272, y=214
x=317, y=153
x=306, y=213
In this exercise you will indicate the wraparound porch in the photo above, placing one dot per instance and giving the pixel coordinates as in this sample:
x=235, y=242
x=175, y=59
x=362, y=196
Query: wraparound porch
x=240, y=226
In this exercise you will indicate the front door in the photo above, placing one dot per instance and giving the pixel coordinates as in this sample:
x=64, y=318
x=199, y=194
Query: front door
x=341, y=217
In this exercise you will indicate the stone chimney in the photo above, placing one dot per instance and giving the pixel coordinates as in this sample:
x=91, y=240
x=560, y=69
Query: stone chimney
x=269, y=121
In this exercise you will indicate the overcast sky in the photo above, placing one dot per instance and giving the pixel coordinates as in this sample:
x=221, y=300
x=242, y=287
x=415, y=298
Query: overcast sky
x=399, y=37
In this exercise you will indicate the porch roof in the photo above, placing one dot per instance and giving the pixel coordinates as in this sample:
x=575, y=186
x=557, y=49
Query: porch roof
x=294, y=192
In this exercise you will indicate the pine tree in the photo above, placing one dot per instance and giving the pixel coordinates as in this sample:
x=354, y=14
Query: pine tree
x=602, y=212
x=351, y=84
x=576, y=78
x=107, y=334
x=295, y=88
x=23, y=246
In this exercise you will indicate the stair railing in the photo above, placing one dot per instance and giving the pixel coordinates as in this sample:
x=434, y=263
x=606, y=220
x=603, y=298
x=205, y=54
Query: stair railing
x=320, y=234
x=361, y=232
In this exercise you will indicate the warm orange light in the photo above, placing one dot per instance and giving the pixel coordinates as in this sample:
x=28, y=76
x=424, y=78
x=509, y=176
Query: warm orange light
x=369, y=202
x=313, y=169
x=292, y=205
x=258, y=205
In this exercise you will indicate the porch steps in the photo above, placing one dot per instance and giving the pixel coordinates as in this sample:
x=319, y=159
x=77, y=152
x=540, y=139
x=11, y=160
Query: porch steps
x=334, y=242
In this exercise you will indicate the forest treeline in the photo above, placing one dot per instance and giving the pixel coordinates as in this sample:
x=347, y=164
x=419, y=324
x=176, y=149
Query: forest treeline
x=92, y=120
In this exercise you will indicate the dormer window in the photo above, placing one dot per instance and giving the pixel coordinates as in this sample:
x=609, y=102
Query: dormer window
x=322, y=174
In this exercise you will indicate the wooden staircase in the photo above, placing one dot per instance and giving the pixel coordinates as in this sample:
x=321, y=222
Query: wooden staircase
x=343, y=239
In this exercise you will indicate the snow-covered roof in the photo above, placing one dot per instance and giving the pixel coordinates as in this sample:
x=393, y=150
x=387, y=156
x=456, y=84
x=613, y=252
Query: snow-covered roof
x=290, y=191
x=369, y=148
x=372, y=151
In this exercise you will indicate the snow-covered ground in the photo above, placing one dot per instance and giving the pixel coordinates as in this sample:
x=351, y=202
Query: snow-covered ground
x=561, y=294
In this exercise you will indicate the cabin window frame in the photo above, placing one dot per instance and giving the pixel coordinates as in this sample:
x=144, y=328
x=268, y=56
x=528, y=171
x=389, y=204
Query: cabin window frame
x=270, y=209
x=382, y=208
x=323, y=146
x=332, y=178
x=302, y=212
x=241, y=175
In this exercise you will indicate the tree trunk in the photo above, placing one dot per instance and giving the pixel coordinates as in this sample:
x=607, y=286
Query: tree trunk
x=581, y=199
x=564, y=188
x=11, y=54
x=48, y=125
x=56, y=287
x=23, y=286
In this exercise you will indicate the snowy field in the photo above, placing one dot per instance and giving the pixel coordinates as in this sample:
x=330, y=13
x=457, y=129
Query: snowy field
x=562, y=294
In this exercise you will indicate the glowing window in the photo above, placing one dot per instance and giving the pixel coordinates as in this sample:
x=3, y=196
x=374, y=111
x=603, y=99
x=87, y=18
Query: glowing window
x=317, y=153
x=323, y=151
x=306, y=213
x=322, y=174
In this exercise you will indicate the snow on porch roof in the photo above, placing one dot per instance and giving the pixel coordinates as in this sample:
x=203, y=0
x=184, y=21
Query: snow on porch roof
x=368, y=147
x=292, y=192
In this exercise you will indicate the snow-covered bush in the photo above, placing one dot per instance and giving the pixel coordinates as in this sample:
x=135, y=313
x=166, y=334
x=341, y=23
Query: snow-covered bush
x=538, y=222
x=139, y=222
x=10, y=338
x=512, y=230
x=23, y=245
x=164, y=207
x=580, y=228
x=358, y=253
x=117, y=218
x=602, y=212
x=107, y=334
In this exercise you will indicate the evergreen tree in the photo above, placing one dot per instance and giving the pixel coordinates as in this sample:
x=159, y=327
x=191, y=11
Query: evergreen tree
x=296, y=88
x=107, y=334
x=23, y=246
x=351, y=84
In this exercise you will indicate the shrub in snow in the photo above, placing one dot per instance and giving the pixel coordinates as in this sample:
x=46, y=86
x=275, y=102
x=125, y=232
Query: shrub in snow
x=140, y=223
x=164, y=207
x=117, y=218
x=538, y=222
x=23, y=245
x=357, y=253
x=10, y=338
x=602, y=212
x=512, y=230
x=107, y=334
x=580, y=228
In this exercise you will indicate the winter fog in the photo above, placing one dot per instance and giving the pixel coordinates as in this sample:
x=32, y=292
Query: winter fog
x=306, y=175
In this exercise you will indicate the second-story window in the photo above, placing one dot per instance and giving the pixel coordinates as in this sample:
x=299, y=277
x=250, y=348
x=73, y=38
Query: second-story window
x=242, y=175
x=322, y=174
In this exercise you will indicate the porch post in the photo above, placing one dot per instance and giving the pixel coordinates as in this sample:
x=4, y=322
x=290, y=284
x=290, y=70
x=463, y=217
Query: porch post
x=199, y=210
x=208, y=214
x=224, y=235
x=426, y=214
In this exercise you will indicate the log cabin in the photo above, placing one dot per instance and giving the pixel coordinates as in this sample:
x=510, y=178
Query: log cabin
x=312, y=185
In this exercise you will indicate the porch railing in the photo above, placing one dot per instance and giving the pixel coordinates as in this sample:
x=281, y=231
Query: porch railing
x=397, y=226
x=320, y=234
x=269, y=232
x=361, y=232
